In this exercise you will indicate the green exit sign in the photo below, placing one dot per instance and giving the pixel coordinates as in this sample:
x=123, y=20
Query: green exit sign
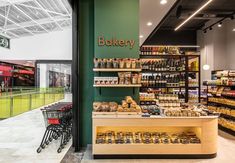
x=4, y=42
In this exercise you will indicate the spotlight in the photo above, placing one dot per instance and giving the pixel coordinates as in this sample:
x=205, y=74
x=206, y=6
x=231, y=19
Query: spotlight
x=220, y=24
x=163, y=2
x=210, y=28
x=233, y=29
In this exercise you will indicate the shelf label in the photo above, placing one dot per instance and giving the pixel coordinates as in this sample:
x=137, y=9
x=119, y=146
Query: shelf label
x=115, y=42
x=4, y=42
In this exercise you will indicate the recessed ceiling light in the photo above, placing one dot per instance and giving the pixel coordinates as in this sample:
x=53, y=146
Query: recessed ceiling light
x=141, y=36
x=163, y=2
x=220, y=24
x=233, y=29
x=149, y=23
x=195, y=13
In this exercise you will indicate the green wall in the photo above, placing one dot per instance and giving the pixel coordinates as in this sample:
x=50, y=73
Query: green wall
x=86, y=30
x=120, y=20
x=108, y=18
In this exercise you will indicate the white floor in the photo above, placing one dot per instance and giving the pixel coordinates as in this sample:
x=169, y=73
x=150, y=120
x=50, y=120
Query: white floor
x=226, y=154
x=20, y=137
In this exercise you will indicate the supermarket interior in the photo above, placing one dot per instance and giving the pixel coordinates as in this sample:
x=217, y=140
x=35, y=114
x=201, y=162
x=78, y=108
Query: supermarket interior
x=117, y=81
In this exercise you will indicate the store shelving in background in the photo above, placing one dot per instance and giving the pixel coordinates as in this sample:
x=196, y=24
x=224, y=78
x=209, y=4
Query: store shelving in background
x=221, y=98
x=172, y=70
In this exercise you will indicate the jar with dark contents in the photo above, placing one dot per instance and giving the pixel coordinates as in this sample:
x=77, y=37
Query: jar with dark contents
x=138, y=63
x=103, y=63
x=115, y=63
x=109, y=63
x=96, y=63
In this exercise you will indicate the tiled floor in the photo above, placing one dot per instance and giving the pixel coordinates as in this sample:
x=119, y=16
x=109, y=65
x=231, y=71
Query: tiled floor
x=226, y=154
x=20, y=137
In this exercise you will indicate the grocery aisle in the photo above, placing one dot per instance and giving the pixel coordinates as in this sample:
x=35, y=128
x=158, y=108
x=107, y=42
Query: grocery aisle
x=20, y=136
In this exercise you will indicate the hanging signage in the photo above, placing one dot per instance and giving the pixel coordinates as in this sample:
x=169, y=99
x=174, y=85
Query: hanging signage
x=115, y=42
x=4, y=42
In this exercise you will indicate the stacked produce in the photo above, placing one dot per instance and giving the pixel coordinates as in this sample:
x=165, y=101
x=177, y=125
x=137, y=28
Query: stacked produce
x=112, y=137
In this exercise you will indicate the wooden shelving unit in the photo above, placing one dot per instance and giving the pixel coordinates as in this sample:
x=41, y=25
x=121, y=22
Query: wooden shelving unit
x=187, y=72
x=205, y=128
x=224, y=96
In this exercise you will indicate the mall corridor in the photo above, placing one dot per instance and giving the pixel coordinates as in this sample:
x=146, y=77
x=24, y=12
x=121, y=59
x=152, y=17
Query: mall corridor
x=21, y=135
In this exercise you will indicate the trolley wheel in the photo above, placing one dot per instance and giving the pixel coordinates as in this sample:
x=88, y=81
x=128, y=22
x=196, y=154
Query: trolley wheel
x=59, y=150
x=39, y=150
x=47, y=142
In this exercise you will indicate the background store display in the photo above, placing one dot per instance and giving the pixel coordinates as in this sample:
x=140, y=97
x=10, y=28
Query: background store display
x=171, y=70
x=221, y=98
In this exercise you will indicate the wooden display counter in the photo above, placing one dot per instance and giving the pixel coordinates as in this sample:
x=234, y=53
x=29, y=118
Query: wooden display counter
x=204, y=127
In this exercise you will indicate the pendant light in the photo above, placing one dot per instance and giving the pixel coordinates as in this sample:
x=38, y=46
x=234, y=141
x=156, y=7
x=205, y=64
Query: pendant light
x=206, y=66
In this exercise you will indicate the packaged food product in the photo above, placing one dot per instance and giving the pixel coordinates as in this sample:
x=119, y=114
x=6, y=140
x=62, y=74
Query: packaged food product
x=109, y=63
x=121, y=63
x=133, y=64
x=128, y=63
x=127, y=78
x=96, y=63
x=115, y=63
x=103, y=63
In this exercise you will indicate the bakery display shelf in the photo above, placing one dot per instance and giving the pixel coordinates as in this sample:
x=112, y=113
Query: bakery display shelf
x=115, y=70
x=219, y=104
x=205, y=128
x=117, y=85
x=227, y=130
x=220, y=85
x=227, y=116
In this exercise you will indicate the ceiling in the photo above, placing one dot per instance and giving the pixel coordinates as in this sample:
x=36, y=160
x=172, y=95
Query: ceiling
x=216, y=10
x=152, y=11
x=20, y=18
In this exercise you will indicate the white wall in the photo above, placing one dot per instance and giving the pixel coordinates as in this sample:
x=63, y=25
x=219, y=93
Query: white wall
x=230, y=45
x=49, y=46
x=220, y=45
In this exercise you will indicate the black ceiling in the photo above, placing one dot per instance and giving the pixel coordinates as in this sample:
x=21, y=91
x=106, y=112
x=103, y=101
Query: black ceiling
x=182, y=9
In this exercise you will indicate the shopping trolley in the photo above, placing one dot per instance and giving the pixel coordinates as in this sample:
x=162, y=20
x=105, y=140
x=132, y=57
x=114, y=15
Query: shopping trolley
x=58, y=120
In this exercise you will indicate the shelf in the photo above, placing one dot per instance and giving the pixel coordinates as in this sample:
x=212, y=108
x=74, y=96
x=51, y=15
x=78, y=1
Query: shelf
x=227, y=116
x=152, y=71
x=115, y=70
x=220, y=85
x=162, y=87
x=161, y=56
x=225, y=105
x=119, y=85
x=227, y=130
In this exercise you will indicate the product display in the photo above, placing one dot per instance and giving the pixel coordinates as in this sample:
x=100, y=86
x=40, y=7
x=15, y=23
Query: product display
x=127, y=105
x=163, y=65
x=162, y=80
x=124, y=78
x=127, y=63
x=169, y=69
x=227, y=124
x=161, y=50
x=111, y=137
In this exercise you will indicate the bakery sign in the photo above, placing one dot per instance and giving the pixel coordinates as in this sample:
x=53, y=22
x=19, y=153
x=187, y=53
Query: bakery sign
x=4, y=42
x=114, y=42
